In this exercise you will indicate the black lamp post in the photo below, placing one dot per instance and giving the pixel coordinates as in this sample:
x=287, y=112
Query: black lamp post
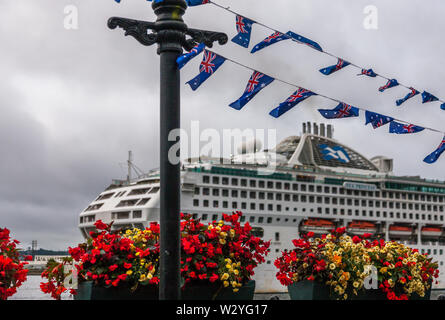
x=170, y=33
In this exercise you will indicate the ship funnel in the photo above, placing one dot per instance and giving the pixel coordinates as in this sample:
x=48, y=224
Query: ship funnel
x=330, y=131
x=322, y=130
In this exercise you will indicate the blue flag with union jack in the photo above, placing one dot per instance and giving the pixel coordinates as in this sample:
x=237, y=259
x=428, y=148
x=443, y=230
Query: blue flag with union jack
x=209, y=64
x=272, y=39
x=390, y=84
x=298, y=96
x=257, y=82
x=304, y=40
x=376, y=119
x=244, y=29
x=433, y=157
x=331, y=69
x=368, y=72
x=400, y=128
x=428, y=97
x=185, y=58
x=192, y=3
x=343, y=110
x=413, y=93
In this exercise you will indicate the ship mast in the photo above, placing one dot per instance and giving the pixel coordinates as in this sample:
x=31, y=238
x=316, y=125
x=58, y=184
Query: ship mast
x=129, y=163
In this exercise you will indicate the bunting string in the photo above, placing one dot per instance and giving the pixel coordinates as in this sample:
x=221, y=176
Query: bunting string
x=426, y=96
x=212, y=61
x=319, y=94
x=258, y=81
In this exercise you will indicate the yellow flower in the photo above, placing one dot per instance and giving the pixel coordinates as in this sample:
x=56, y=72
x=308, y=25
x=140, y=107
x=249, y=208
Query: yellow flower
x=235, y=290
x=225, y=276
x=332, y=266
x=149, y=276
x=226, y=283
x=129, y=272
x=222, y=241
x=355, y=284
x=337, y=259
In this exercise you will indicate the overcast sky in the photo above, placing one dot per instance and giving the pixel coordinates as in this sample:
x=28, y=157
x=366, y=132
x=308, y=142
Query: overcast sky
x=73, y=102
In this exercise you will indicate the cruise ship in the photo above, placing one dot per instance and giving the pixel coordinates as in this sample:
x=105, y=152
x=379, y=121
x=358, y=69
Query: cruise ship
x=318, y=184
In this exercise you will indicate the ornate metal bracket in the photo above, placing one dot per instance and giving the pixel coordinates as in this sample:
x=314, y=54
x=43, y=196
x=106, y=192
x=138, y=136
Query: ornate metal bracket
x=135, y=28
x=204, y=36
x=139, y=30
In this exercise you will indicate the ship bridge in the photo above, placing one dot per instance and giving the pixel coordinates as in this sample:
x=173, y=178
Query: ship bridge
x=318, y=148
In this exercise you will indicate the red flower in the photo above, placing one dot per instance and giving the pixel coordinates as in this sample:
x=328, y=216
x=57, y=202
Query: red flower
x=100, y=225
x=127, y=265
x=356, y=239
x=113, y=267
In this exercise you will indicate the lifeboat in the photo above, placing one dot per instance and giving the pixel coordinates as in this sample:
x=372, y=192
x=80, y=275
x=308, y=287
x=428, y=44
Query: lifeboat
x=432, y=232
x=361, y=227
x=317, y=226
x=400, y=231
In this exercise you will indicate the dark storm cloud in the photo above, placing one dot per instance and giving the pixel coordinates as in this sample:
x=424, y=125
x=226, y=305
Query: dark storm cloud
x=74, y=102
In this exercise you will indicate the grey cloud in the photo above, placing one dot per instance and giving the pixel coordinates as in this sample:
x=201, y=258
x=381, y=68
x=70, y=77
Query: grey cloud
x=74, y=102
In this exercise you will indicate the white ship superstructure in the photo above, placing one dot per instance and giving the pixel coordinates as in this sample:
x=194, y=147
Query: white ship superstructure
x=318, y=184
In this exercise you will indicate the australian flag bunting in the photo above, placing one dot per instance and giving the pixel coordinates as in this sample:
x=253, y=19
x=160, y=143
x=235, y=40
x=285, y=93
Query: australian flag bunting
x=400, y=128
x=185, y=58
x=428, y=97
x=343, y=110
x=413, y=93
x=304, y=40
x=390, y=84
x=244, y=29
x=257, y=82
x=368, y=72
x=433, y=157
x=297, y=97
x=377, y=120
x=210, y=63
x=272, y=39
x=331, y=69
x=192, y=3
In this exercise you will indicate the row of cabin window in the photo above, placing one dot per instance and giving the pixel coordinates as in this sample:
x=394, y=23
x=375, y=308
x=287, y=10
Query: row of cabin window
x=335, y=211
x=315, y=199
x=319, y=189
x=136, y=214
x=434, y=251
x=252, y=219
x=132, y=202
x=132, y=192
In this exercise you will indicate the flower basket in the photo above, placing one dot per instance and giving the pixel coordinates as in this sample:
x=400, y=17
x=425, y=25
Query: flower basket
x=312, y=290
x=337, y=266
x=12, y=270
x=308, y=290
x=88, y=291
x=217, y=262
x=212, y=291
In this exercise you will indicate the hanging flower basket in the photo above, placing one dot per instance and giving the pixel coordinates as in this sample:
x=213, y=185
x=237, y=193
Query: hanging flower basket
x=217, y=262
x=337, y=266
x=88, y=291
x=312, y=290
x=209, y=291
x=12, y=270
